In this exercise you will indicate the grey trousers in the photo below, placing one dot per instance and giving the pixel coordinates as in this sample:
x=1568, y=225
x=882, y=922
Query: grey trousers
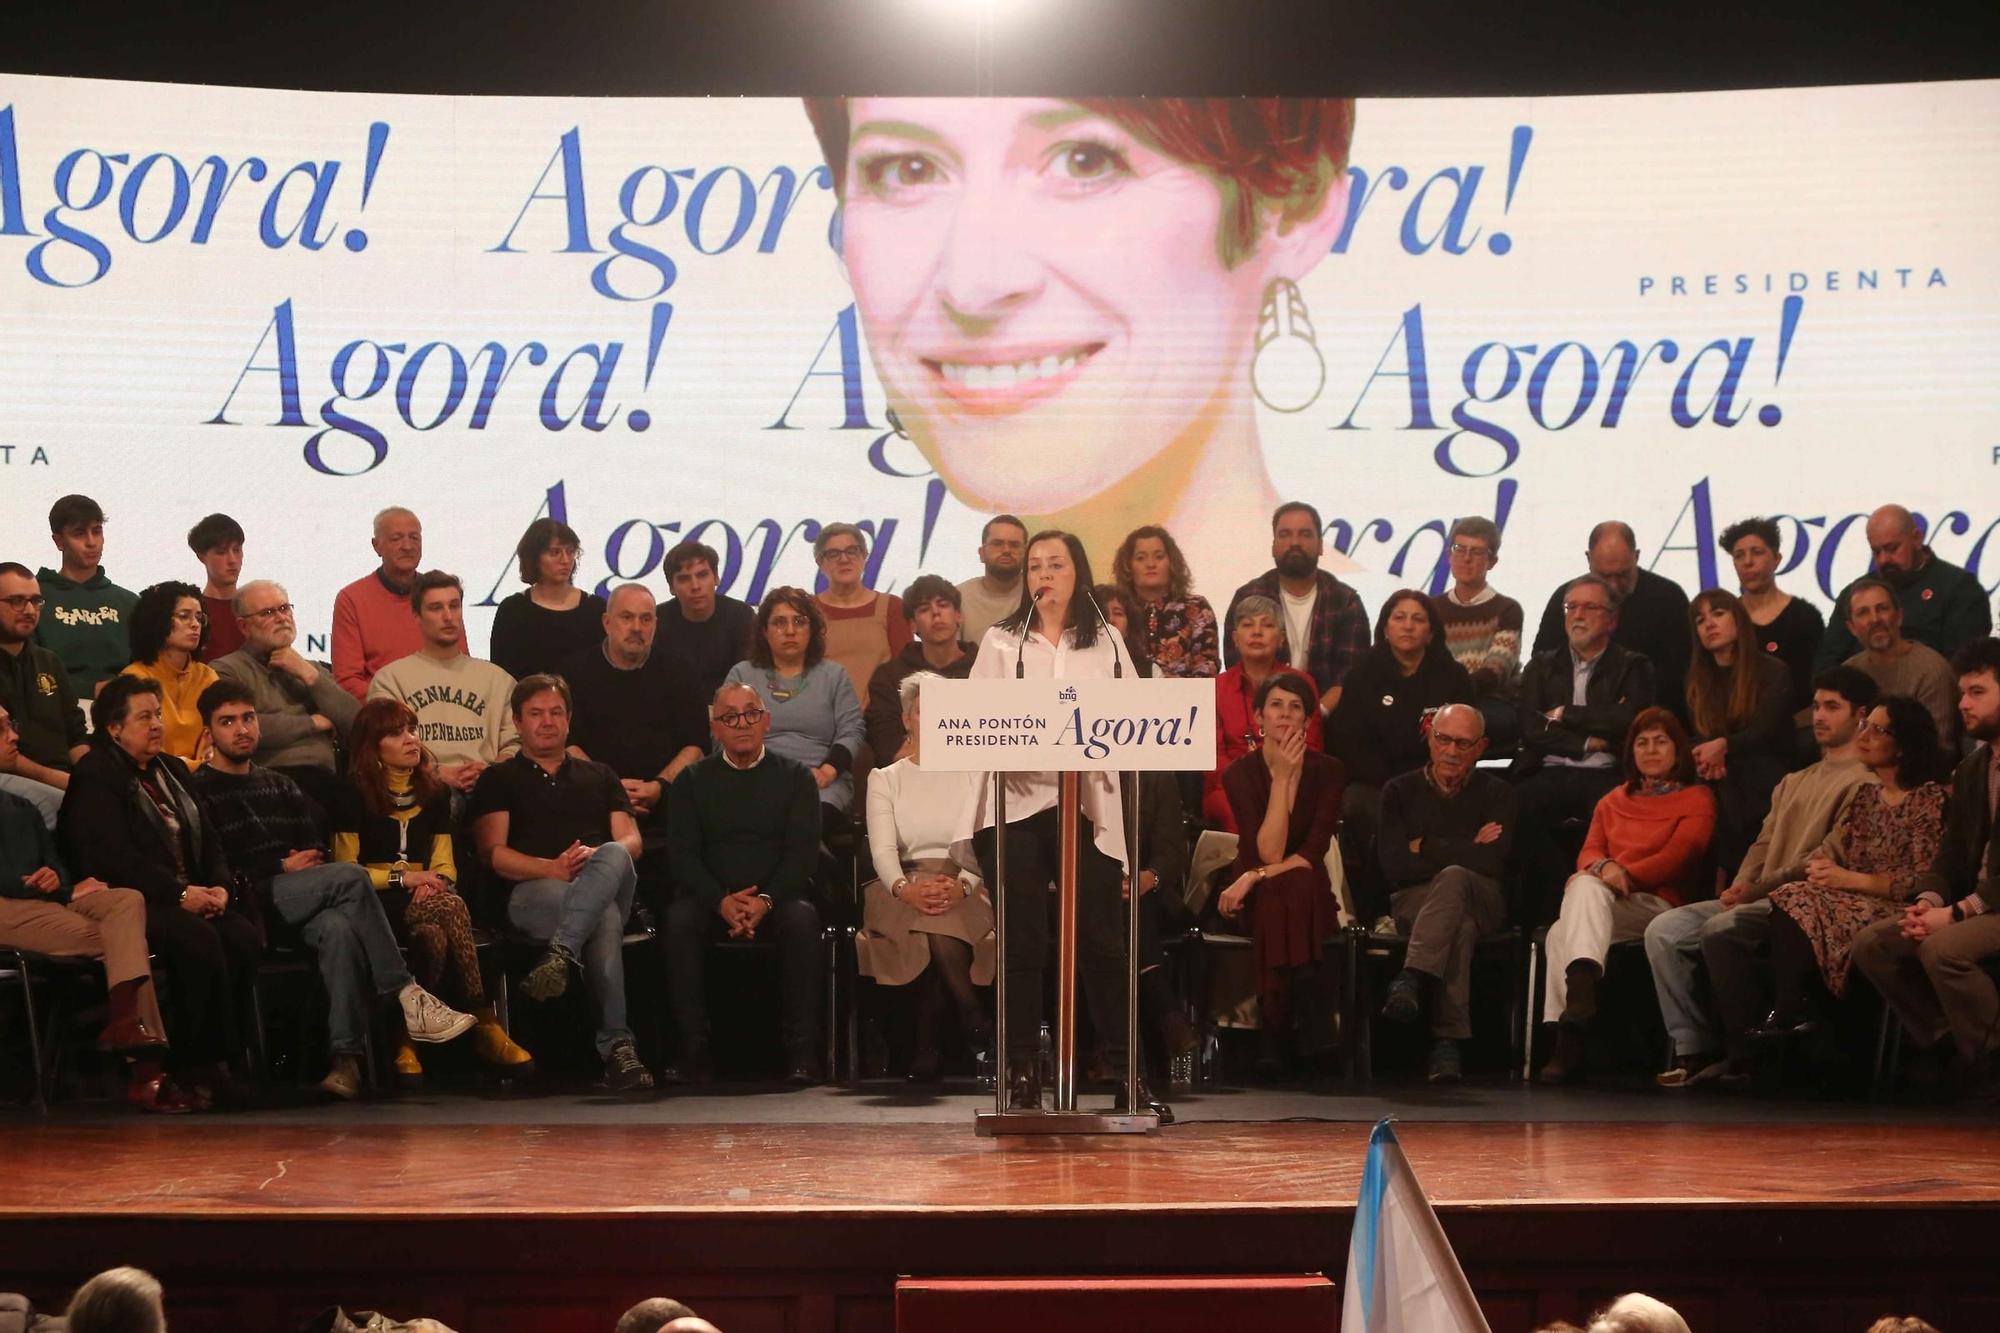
x=1444, y=920
x=1938, y=985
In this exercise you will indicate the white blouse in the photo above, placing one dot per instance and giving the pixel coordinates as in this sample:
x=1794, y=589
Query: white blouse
x=1032, y=793
x=911, y=815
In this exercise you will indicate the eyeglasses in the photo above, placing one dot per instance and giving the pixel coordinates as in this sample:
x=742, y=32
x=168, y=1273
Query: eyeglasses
x=1866, y=728
x=191, y=617
x=1464, y=552
x=746, y=717
x=841, y=553
x=1460, y=743
x=281, y=609
x=29, y=599
x=7, y=725
x=1595, y=608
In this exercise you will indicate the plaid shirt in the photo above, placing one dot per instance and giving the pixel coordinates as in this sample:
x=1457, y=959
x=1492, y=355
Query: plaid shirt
x=1339, y=633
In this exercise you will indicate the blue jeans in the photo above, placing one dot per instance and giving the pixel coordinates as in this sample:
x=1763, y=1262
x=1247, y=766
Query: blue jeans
x=587, y=918
x=1674, y=946
x=340, y=918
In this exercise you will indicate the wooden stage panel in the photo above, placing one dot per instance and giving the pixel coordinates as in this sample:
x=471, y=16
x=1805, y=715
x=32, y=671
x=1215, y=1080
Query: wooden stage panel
x=806, y=1228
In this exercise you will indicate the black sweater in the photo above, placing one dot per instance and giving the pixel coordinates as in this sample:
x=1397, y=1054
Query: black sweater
x=1375, y=730
x=729, y=828
x=1412, y=808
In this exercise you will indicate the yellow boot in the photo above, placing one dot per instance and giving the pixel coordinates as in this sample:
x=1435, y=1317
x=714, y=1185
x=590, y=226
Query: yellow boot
x=492, y=1045
x=409, y=1069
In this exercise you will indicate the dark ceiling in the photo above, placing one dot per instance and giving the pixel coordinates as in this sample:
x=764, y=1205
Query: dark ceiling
x=788, y=47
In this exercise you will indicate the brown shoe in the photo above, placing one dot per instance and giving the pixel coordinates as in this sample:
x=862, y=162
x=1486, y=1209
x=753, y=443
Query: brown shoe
x=344, y=1079
x=130, y=1036
x=1566, y=1064
x=159, y=1094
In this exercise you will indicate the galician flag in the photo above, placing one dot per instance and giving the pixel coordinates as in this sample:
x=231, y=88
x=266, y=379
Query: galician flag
x=1401, y=1274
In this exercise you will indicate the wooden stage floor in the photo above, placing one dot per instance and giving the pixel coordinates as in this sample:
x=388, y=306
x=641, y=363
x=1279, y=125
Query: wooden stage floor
x=805, y=1227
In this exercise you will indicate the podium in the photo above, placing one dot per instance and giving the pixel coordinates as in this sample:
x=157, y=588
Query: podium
x=1079, y=730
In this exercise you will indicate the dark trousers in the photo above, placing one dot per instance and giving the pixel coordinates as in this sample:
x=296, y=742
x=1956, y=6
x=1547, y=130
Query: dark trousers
x=212, y=964
x=1034, y=857
x=1545, y=853
x=1735, y=947
x=793, y=926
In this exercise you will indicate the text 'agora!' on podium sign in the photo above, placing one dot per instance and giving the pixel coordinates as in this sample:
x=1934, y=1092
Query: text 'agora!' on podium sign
x=1025, y=726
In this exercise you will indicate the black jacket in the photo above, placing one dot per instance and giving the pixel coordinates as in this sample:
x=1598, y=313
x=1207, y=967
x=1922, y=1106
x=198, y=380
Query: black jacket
x=1652, y=621
x=110, y=830
x=1620, y=686
x=1968, y=856
x=1376, y=730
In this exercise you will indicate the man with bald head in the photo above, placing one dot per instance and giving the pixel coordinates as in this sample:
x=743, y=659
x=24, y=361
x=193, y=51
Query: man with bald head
x=373, y=624
x=1944, y=607
x=1444, y=837
x=1652, y=613
x=743, y=843
x=639, y=710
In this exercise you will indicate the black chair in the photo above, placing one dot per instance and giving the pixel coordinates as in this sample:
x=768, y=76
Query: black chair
x=59, y=976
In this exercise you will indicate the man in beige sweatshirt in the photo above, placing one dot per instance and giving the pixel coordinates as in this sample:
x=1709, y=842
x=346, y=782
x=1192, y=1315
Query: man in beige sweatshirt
x=1730, y=930
x=461, y=702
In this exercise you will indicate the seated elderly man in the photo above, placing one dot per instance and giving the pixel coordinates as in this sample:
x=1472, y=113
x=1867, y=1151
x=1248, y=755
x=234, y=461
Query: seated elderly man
x=743, y=839
x=1443, y=840
x=560, y=832
x=272, y=838
x=301, y=712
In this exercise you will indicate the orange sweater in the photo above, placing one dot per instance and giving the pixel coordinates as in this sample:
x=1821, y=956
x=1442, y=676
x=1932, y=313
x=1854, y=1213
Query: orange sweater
x=1662, y=841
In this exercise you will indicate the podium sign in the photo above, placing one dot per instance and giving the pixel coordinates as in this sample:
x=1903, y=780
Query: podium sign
x=1043, y=725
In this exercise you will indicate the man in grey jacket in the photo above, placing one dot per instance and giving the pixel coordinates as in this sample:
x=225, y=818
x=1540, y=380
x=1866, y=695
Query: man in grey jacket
x=302, y=714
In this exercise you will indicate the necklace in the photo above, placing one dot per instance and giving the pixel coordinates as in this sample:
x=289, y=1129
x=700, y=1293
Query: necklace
x=771, y=683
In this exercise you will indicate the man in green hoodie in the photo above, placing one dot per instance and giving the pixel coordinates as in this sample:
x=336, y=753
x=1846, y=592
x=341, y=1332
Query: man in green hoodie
x=88, y=618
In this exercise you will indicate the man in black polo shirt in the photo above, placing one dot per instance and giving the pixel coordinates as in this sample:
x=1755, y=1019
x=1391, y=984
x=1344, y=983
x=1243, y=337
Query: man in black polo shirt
x=638, y=710
x=35, y=690
x=743, y=840
x=559, y=830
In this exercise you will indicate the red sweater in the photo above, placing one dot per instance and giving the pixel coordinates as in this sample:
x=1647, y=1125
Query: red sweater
x=1662, y=841
x=372, y=627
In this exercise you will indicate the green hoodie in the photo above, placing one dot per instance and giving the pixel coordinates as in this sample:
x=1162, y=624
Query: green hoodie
x=87, y=625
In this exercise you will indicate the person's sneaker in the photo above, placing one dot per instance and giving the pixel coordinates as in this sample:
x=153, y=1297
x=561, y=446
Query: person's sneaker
x=344, y=1079
x=1405, y=1001
x=427, y=1018
x=1444, y=1063
x=549, y=977
x=624, y=1071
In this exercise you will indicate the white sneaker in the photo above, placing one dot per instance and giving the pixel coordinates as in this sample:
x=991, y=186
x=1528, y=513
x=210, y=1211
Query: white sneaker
x=427, y=1018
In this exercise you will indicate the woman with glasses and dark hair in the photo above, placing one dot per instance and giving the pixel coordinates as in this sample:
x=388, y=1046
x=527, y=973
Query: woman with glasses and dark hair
x=394, y=820
x=169, y=630
x=1054, y=634
x=864, y=628
x=1646, y=852
x=551, y=618
x=1177, y=624
x=816, y=716
x=1286, y=800
x=1865, y=870
x=1256, y=629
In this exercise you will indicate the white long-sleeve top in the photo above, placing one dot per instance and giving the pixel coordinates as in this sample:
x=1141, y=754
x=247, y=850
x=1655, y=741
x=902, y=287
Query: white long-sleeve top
x=912, y=813
x=1031, y=793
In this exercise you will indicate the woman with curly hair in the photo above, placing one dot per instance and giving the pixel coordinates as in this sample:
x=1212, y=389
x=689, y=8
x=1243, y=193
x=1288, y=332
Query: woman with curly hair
x=169, y=631
x=1178, y=623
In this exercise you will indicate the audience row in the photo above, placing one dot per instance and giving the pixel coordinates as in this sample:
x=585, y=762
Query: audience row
x=704, y=764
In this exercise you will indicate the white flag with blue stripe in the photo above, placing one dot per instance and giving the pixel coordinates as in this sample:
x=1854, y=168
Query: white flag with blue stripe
x=1401, y=1274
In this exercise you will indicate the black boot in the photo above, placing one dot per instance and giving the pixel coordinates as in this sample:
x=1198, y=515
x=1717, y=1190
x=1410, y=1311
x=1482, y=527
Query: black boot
x=1024, y=1085
x=1147, y=1102
x=1566, y=1064
x=1581, y=978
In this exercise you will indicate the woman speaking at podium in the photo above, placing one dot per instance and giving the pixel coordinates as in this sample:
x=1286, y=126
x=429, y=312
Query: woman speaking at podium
x=1057, y=632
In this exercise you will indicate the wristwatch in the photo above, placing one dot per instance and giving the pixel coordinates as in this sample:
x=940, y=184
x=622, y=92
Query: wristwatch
x=769, y=906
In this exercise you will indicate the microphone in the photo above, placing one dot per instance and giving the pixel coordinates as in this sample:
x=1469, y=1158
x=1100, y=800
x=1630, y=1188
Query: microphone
x=1117, y=668
x=1027, y=623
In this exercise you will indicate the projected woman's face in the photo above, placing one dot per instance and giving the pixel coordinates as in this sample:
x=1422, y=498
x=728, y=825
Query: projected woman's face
x=1043, y=295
